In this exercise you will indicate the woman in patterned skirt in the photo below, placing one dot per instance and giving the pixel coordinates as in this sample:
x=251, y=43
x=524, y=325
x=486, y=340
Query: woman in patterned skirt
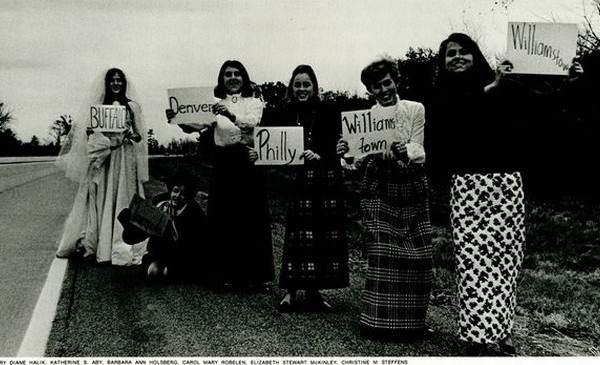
x=394, y=200
x=315, y=252
x=482, y=124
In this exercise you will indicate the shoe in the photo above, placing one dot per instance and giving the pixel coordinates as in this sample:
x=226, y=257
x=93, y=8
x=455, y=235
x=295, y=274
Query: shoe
x=424, y=332
x=260, y=288
x=321, y=306
x=473, y=349
x=220, y=287
x=286, y=304
x=89, y=257
x=395, y=335
x=316, y=303
x=507, y=347
x=508, y=350
x=369, y=333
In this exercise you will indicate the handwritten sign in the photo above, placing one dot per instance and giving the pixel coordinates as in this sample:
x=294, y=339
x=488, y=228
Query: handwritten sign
x=279, y=145
x=107, y=118
x=192, y=105
x=368, y=131
x=147, y=217
x=541, y=48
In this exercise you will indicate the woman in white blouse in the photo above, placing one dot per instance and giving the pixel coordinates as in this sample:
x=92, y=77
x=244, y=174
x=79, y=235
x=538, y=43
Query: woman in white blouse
x=395, y=205
x=239, y=252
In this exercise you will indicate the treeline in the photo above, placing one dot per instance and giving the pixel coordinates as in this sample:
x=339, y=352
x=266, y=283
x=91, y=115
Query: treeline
x=564, y=120
x=565, y=123
x=11, y=146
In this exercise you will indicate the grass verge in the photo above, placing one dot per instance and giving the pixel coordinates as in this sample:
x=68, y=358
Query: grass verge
x=111, y=311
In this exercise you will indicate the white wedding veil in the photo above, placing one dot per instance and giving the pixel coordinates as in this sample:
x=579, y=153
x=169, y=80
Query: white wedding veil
x=73, y=157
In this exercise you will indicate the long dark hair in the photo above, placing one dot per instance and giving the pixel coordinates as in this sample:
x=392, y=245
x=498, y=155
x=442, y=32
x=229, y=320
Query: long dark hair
x=109, y=96
x=303, y=69
x=221, y=91
x=479, y=75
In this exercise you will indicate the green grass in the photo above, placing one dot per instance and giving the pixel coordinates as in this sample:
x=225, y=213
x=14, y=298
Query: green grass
x=112, y=311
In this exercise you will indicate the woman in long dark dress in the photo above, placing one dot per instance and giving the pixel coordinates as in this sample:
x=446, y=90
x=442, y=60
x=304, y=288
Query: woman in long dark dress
x=395, y=205
x=239, y=251
x=315, y=252
x=483, y=124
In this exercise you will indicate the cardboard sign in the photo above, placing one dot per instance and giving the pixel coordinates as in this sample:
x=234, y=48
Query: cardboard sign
x=192, y=105
x=541, y=48
x=107, y=118
x=368, y=131
x=279, y=145
x=147, y=217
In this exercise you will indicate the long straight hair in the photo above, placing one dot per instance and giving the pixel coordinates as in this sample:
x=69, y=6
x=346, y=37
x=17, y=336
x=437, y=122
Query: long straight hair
x=303, y=69
x=121, y=97
x=109, y=96
x=221, y=91
x=479, y=75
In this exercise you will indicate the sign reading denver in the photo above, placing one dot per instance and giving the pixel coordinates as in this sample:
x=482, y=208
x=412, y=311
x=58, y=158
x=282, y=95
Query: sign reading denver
x=192, y=105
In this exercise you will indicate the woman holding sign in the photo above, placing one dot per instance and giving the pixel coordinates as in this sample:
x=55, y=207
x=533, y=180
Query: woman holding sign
x=315, y=253
x=395, y=204
x=481, y=121
x=240, y=252
x=108, y=156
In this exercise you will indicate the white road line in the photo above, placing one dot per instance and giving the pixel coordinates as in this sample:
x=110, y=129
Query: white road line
x=38, y=331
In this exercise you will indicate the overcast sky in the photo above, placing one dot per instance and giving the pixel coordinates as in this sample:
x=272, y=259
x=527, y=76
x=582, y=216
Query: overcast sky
x=52, y=50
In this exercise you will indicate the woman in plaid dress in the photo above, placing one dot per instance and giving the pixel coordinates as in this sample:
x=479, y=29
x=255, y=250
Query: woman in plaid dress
x=315, y=252
x=394, y=200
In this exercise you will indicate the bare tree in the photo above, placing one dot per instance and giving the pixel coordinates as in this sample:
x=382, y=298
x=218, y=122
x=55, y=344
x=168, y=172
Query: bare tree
x=61, y=127
x=5, y=117
x=153, y=145
x=589, y=41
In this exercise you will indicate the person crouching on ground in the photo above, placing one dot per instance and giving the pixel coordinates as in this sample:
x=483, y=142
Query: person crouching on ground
x=175, y=254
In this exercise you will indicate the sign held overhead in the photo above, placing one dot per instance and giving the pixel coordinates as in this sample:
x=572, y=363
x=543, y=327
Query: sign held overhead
x=541, y=48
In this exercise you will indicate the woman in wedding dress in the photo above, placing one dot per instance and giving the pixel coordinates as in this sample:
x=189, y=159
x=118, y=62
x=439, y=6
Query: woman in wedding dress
x=110, y=168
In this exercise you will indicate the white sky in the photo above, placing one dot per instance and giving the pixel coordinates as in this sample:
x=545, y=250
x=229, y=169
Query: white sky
x=52, y=50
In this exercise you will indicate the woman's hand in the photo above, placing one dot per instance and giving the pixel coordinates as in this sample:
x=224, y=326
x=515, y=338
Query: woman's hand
x=576, y=70
x=309, y=155
x=398, y=148
x=252, y=154
x=220, y=109
x=132, y=136
x=388, y=155
x=502, y=75
x=396, y=151
x=188, y=128
x=342, y=147
x=170, y=113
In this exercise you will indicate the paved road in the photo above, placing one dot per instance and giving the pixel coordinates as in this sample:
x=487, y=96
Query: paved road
x=34, y=201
